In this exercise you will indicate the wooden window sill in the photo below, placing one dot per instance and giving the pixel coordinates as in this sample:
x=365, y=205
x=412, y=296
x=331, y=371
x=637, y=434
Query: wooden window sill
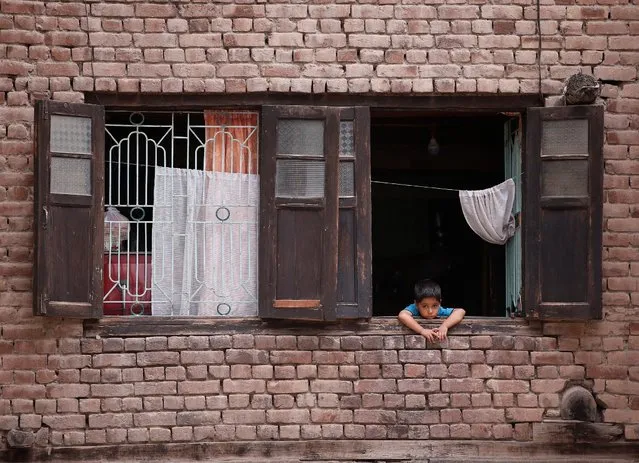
x=121, y=326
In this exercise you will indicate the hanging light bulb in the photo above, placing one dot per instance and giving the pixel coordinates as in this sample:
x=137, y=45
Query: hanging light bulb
x=433, y=146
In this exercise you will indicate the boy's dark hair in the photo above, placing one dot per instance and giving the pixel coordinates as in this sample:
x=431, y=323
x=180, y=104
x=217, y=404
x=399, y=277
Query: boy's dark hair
x=427, y=288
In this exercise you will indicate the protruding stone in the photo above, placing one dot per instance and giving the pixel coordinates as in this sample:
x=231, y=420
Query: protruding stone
x=578, y=403
x=20, y=439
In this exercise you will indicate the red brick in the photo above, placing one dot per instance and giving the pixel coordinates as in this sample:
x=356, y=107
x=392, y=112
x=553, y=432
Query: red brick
x=547, y=372
x=459, y=370
x=481, y=371
x=486, y=415
x=572, y=371
x=111, y=390
x=210, y=387
x=418, y=417
x=111, y=420
x=631, y=432
x=463, y=356
x=462, y=385
x=607, y=371
x=418, y=385
x=481, y=342
x=502, y=372
x=336, y=358
x=287, y=387
x=547, y=385
x=622, y=387
x=198, y=418
x=188, y=357
x=64, y=421
x=23, y=391
x=551, y=358
x=512, y=386
x=519, y=415
x=114, y=360
x=24, y=362
x=67, y=390
x=505, y=357
x=244, y=416
x=418, y=356
x=623, y=358
x=523, y=432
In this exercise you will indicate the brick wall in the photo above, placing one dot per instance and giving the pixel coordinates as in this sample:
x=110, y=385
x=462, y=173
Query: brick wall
x=82, y=390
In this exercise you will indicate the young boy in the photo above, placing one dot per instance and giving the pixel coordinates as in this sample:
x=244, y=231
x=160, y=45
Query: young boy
x=428, y=296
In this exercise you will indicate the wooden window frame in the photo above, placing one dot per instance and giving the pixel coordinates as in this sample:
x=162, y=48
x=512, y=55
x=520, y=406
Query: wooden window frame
x=432, y=104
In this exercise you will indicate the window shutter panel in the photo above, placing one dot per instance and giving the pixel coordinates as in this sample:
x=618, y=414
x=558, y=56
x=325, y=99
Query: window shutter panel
x=313, y=224
x=354, y=286
x=69, y=209
x=563, y=193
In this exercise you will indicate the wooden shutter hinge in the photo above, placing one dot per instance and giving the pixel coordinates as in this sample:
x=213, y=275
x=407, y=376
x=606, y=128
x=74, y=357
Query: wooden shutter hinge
x=45, y=222
x=46, y=112
x=44, y=302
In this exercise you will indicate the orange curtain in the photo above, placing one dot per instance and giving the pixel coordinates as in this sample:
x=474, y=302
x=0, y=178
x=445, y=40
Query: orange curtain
x=231, y=142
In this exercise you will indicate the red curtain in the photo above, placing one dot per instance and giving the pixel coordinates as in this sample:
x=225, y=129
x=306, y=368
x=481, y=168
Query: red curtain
x=231, y=141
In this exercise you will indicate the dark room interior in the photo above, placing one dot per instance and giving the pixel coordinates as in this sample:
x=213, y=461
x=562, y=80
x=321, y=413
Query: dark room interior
x=421, y=233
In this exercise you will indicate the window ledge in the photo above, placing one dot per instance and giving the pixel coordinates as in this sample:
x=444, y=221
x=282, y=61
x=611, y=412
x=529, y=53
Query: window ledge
x=200, y=326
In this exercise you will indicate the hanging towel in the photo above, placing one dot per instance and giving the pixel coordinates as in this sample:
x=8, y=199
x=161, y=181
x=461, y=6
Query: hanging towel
x=489, y=212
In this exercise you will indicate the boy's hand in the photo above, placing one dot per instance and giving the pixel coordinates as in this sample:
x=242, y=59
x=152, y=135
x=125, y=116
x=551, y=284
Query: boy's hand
x=431, y=335
x=441, y=332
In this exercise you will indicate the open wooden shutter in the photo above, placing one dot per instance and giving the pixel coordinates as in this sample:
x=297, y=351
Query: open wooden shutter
x=563, y=213
x=354, y=276
x=315, y=213
x=69, y=209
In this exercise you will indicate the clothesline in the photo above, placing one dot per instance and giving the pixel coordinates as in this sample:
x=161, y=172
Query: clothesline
x=427, y=187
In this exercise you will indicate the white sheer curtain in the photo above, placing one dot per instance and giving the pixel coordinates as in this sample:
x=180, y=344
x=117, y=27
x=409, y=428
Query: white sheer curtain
x=205, y=243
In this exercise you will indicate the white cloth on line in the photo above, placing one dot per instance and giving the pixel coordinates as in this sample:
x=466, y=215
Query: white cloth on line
x=489, y=212
x=204, y=243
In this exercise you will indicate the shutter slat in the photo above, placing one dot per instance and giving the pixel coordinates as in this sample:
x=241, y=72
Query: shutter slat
x=563, y=191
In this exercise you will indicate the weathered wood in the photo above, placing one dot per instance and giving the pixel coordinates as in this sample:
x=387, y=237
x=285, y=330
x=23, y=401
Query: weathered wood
x=184, y=326
x=296, y=303
x=69, y=227
x=565, y=431
x=266, y=239
x=327, y=450
x=563, y=212
x=297, y=235
x=364, y=248
x=347, y=254
x=444, y=103
x=331, y=217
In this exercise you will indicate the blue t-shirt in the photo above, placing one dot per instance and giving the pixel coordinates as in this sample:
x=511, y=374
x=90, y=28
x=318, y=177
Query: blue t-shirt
x=442, y=312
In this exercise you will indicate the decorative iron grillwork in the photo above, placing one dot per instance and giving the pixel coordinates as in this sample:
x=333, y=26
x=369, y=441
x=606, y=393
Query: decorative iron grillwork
x=187, y=188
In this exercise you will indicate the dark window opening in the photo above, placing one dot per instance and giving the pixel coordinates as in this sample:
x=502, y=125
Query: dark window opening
x=421, y=233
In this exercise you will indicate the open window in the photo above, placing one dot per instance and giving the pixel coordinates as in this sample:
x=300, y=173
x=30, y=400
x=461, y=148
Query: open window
x=172, y=228
x=419, y=162
x=182, y=198
x=306, y=171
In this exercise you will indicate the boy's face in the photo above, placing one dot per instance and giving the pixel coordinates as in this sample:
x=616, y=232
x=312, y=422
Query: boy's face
x=428, y=307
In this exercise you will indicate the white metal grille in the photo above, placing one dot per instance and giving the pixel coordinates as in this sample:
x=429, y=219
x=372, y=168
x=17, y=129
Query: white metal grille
x=186, y=188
